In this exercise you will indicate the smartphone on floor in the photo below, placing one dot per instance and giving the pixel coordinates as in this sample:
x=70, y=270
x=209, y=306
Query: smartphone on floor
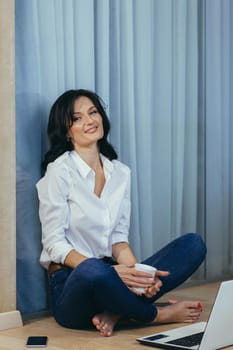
x=37, y=342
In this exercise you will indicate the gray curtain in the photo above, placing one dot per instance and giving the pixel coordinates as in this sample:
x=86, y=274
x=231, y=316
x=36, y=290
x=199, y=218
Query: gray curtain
x=154, y=64
x=219, y=131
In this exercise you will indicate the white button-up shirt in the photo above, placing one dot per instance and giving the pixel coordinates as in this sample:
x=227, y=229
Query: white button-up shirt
x=74, y=217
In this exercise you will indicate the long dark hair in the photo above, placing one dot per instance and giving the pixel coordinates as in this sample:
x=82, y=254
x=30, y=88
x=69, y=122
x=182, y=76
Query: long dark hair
x=61, y=119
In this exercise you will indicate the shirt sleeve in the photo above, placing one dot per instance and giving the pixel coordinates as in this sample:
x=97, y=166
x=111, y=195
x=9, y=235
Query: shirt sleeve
x=53, y=191
x=121, y=231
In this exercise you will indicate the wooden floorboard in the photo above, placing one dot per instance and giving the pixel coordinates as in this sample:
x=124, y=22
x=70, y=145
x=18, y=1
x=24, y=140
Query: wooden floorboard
x=60, y=338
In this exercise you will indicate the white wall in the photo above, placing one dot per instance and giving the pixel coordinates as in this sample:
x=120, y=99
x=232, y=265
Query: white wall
x=7, y=158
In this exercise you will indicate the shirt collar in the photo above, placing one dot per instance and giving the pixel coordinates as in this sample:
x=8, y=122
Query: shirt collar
x=84, y=168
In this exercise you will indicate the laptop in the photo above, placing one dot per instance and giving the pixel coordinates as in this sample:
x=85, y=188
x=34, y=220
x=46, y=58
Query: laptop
x=216, y=333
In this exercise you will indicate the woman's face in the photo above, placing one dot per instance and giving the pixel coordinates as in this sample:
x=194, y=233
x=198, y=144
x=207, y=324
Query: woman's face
x=87, y=126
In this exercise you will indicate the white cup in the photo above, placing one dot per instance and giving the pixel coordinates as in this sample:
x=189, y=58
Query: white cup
x=145, y=268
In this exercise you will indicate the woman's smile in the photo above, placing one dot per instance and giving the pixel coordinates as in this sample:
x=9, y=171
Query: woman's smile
x=91, y=130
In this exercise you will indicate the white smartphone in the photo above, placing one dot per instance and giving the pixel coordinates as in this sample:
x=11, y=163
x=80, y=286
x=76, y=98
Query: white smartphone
x=37, y=342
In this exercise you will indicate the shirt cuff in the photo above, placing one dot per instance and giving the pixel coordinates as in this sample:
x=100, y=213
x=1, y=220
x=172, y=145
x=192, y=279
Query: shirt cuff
x=119, y=237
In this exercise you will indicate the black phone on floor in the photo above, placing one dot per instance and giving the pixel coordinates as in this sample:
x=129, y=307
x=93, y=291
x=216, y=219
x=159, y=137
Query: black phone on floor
x=37, y=342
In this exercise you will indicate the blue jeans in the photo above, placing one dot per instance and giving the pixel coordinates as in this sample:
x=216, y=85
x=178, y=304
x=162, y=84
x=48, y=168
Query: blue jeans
x=94, y=286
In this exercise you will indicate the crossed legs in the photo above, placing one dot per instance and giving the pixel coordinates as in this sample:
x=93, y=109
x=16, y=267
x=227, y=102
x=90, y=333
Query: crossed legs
x=94, y=293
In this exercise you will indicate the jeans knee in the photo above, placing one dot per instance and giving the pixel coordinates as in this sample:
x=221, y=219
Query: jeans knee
x=197, y=243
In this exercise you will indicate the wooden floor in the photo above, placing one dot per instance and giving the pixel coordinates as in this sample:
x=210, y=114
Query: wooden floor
x=66, y=339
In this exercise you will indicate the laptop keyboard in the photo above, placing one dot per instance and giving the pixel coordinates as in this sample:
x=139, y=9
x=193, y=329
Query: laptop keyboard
x=188, y=341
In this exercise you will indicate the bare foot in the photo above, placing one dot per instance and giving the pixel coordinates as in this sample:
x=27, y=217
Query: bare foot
x=179, y=311
x=105, y=323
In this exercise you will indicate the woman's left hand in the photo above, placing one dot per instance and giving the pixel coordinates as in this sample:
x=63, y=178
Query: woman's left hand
x=157, y=284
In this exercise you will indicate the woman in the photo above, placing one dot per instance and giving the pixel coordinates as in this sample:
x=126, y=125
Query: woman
x=84, y=210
